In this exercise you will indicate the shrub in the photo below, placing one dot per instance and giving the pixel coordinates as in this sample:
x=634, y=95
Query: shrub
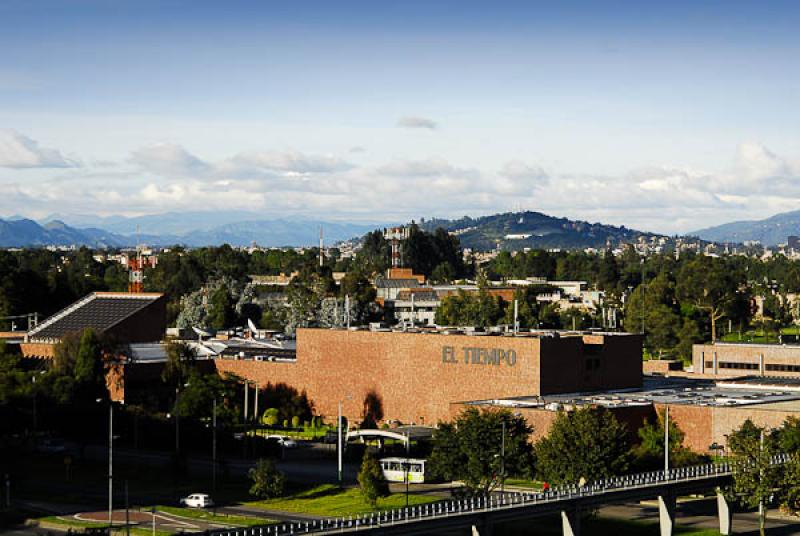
x=270, y=417
x=268, y=482
x=370, y=480
x=295, y=421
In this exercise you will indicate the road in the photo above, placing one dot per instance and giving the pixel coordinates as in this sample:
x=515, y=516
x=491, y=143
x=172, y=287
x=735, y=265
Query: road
x=702, y=514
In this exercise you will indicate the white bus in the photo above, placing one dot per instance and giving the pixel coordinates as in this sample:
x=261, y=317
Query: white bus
x=396, y=469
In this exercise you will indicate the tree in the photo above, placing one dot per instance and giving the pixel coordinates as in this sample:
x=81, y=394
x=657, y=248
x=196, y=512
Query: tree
x=89, y=360
x=268, y=481
x=371, y=481
x=755, y=478
x=709, y=285
x=650, y=451
x=180, y=357
x=221, y=314
x=587, y=443
x=469, y=449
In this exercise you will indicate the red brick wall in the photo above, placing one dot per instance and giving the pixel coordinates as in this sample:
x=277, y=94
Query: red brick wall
x=407, y=370
x=37, y=350
x=696, y=422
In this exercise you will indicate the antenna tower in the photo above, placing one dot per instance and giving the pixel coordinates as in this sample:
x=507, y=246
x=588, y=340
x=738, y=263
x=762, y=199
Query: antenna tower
x=136, y=267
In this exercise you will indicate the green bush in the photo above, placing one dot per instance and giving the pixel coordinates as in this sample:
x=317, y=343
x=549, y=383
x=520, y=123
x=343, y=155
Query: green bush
x=268, y=482
x=286, y=423
x=296, y=422
x=270, y=417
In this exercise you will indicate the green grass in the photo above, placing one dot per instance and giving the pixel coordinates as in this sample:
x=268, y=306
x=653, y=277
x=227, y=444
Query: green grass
x=523, y=483
x=790, y=334
x=330, y=500
x=76, y=524
x=210, y=517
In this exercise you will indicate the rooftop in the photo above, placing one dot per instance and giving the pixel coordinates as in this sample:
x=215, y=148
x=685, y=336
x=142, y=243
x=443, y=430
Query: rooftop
x=672, y=391
x=99, y=311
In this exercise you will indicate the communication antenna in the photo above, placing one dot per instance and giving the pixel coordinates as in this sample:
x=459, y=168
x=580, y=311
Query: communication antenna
x=136, y=266
x=253, y=328
x=321, y=247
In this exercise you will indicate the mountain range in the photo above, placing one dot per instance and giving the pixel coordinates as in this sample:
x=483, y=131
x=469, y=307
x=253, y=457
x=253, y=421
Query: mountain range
x=770, y=231
x=198, y=229
x=519, y=230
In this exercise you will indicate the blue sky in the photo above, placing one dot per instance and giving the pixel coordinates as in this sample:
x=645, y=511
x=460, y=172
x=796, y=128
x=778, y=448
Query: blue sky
x=665, y=117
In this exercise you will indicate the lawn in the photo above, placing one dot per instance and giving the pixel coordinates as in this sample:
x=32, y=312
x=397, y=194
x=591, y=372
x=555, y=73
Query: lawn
x=330, y=500
x=210, y=517
x=523, y=483
x=50, y=521
x=790, y=334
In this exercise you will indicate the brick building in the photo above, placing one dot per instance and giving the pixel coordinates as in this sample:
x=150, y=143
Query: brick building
x=737, y=359
x=127, y=317
x=418, y=375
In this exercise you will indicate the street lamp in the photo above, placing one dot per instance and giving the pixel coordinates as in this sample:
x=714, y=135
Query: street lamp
x=339, y=439
x=214, y=446
x=110, y=461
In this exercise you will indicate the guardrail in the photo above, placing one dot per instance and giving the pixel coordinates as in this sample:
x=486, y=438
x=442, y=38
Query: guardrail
x=490, y=503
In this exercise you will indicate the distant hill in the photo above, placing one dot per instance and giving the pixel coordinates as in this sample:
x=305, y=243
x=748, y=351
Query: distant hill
x=170, y=229
x=26, y=233
x=770, y=232
x=519, y=230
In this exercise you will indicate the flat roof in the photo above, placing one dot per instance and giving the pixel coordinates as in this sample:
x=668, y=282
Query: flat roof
x=672, y=391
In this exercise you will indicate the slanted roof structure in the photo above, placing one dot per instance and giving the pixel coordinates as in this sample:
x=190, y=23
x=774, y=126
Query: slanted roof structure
x=131, y=317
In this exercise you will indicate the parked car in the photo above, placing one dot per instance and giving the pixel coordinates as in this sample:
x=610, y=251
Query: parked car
x=197, y=500
x=285, y=442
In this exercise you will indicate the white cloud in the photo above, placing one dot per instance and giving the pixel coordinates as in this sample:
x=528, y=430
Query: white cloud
x=18, y=151
x=285, y=162
x=517, y=177
x=665, y=199
x=169, y=159
x=412, y=121
x=430, y=167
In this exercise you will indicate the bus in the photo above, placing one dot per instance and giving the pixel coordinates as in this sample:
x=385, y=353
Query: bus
x=395, y=470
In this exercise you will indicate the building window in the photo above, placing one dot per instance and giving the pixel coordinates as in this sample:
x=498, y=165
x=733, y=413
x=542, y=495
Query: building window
x=709, y=364
x=774, y=367
x=738, y=366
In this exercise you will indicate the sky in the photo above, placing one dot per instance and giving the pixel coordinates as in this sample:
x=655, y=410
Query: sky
x=664, y=117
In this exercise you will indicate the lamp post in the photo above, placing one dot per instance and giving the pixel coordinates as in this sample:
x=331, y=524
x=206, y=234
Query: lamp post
x=339, y=441
x=110, y=463
x=666, y=440
x=503, y=459
x=408, y=463
x=214, y=446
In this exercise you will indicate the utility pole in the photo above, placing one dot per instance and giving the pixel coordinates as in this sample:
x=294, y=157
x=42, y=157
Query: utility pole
x=127, y=512
x=214, y=445
x=516, y=316
x=177, y=424
x=642, y=296
x=110, y=466
x=503, y=459
x=339, y=443
x=408, y=463
x=666, y=440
